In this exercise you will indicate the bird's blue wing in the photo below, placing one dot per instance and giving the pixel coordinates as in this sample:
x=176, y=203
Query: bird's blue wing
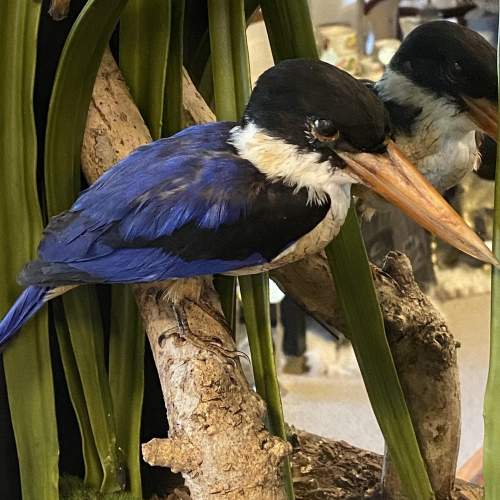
x=179, y=207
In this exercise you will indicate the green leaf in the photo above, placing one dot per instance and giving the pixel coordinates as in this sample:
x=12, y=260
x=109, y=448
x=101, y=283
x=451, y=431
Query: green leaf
x=289, y=28
x=291, y=35
x=93, y=469
x=126, y=379
x=356, y=292
x=172, y=106
x=255, y=298
x=491, y=448
x=219, y=15
x=69, y=104
x=144, y=48
x=27, y=360
x=146, y=45
x=226, y=288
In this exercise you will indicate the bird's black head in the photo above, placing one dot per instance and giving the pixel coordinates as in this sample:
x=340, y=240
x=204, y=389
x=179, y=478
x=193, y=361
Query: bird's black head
x=453, y=62
x=301, y=108
x=315, y=106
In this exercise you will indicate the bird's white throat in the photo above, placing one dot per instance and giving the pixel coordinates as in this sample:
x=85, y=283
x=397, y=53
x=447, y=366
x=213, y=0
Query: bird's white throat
x=442, y=142
x=285, y=162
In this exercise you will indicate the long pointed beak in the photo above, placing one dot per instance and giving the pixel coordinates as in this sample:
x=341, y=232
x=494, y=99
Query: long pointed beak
x=484, y=113
x=393, y=177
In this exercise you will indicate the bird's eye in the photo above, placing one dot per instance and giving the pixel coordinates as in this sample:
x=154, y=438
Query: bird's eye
x=457, y=68
x=325, y=130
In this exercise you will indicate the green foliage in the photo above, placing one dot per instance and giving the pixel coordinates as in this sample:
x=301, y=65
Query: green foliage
x=367, y=334
x=126, y=379
x=230, y=72
x=144, y=47
x=255, y=299
x=172, y=105
x=27, y=362
x=231, y=82
x=69, y=104
x=491, y=448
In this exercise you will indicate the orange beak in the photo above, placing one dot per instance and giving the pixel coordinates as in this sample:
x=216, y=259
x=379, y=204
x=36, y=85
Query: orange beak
x=393, y=176
x=484, y=113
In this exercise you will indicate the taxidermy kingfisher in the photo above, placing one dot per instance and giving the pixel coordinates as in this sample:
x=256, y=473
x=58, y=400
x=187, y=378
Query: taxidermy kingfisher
x=237, y=198
x=440, y=89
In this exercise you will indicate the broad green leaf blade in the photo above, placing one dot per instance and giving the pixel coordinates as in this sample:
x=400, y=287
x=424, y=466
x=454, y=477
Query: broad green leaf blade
x=85, y=326
x=219, y=18
x=252, y=326
x=69, y=104
x=126, y=379
x=144, y=47
x=172, y=106
x=347, y=258
x=491, y=448
x=93, y=469
x=241, y=62
x=228, y=41
x=289, y=28
x=27, y=362
x=291, y=35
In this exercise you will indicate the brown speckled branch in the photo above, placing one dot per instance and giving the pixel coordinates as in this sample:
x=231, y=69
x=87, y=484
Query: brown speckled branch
x=422, y=347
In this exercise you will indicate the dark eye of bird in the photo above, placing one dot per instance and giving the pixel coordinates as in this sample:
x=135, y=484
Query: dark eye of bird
x=325, y=130
x=456, y=69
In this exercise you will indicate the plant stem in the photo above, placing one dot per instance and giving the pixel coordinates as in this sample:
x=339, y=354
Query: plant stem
x=491, y=448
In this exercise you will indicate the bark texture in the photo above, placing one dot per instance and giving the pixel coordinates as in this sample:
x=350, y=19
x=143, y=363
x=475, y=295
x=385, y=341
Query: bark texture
x=328, y=469
x=422, y=347
x=217, y=438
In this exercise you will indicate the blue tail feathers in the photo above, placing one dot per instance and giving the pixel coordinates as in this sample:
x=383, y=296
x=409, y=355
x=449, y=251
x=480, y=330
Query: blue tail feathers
x=27, y=305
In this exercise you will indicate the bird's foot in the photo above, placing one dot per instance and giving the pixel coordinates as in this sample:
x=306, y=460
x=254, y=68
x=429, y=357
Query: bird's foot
x=210, y=343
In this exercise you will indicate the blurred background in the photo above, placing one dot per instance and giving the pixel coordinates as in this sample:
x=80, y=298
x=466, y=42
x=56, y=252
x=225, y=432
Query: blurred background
x=319, y=374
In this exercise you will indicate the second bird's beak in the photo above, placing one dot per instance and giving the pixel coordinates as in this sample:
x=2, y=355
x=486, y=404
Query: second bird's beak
x=393, y=176
x=484, y=113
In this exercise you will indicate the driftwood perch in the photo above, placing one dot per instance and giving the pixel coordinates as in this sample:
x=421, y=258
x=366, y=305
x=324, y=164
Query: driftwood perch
x=328, y=469
x=217, y=438
x=426, y=360
x=205, y=392
x=423, y=350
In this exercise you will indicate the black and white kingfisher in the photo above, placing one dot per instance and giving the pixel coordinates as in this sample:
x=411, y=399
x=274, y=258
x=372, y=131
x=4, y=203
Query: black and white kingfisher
x=440, y=89
x=237, y=198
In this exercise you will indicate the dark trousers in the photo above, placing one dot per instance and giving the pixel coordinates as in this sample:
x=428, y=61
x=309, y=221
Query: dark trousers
x=294, y=328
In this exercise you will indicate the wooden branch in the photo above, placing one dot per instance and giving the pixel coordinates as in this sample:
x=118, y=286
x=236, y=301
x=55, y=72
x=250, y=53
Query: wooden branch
x=328, y=469
x=423, y=350
x=217, y=438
